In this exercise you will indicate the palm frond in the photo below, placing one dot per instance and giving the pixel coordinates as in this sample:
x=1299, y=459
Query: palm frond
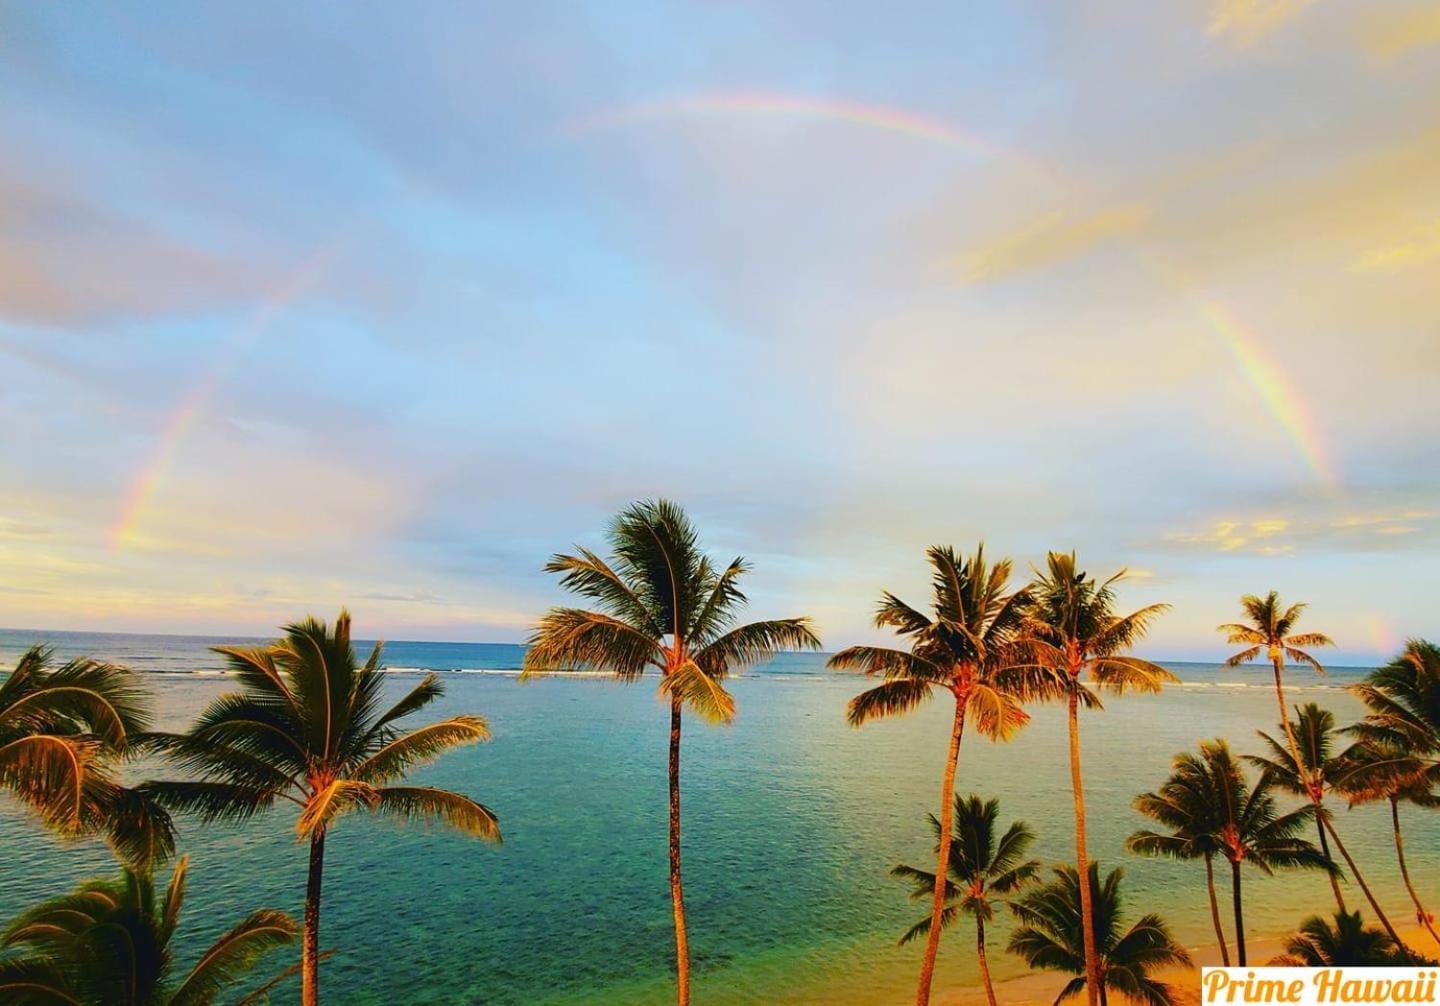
x=701, y=693
x=419, y=746
x=890, y=698
x=233, y=955
x=422, y=803
x=572, y=638
x=757, y=641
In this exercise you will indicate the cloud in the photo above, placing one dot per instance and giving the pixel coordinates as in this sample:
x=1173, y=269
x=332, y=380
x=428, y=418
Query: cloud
x=1375, y=531
x=1423, y=245
x=1390, y=36
x=1244, y=22
x=1053, y=238
x=65, y=260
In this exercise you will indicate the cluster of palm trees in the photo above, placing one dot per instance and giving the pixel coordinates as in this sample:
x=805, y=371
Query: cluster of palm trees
x=307, y=725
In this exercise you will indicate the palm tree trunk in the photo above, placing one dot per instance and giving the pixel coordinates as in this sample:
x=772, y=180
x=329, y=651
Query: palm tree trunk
x=310, y=948
x=677, y=893
x=1325, y=849
x=942, y=856
x=1215, y=909
x=1369, y=895
x=1285, y=720
x=1082, y=865
x=984, y=963
x=1239, y=912
x=1421, y=916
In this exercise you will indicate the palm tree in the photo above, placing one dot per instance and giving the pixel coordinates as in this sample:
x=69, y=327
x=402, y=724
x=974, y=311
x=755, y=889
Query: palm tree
x=1079, y=642
x=307, y=726
x=1185, y=804
x=1349, y=941
x=983, y=872
x=1052, y=938
x=967, y=649
x=1377, y=773
x=62, y=730
x=111, y=943
x=1314, y=731
x=1252, y=830
x=1268, y=627
x=663, y=605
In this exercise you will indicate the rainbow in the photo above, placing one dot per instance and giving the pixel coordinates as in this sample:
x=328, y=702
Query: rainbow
x=1265, y=377
x=770, y=103
x=140, y=497
x=1278, y=396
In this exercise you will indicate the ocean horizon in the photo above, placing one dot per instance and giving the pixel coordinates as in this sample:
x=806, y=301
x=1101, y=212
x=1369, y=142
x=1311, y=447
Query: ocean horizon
x=792, y=822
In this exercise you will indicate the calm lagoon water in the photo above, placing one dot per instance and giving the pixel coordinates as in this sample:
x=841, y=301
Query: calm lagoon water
x=791, y=822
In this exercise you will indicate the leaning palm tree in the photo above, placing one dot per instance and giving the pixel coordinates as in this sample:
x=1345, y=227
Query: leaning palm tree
x=62, y=731
x=966, y=649
x=111, y=943
x=1252, y=830
x=1374, y=773
x=1268, y=628
x=1349, y=941
x=1314, y=731
x=984, y=871
x=1318, y=771
x=308, y=726
x=1079, y=642
x=1186, y=804
x=663, y=606
x=1052, y=938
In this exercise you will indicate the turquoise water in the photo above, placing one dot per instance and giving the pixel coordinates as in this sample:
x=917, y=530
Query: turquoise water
x=791, y=821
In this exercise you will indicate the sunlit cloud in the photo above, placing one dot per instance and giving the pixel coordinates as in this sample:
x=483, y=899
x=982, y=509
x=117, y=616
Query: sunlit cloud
x=1421, y=246
x=1243, y=22
x=1053, y=238
x=1390, y=36
x=1313, y=532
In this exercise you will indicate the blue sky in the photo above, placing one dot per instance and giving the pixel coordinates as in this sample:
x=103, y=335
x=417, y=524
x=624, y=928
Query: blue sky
x=322, y=305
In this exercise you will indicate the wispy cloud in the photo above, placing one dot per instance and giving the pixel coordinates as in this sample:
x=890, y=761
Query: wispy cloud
x=1244, y=22
x=1393, y=35
x=1053, y=238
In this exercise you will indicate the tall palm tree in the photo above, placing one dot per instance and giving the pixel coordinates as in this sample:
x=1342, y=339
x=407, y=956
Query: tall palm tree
x=966, y=649
x=984, y=871
x=1185, y=804
x=1252, y=830
x=111, y=943
x=308, y=726
x=1268, y=627
x=1079, y=642
x=663, y=605
x=1319, y=944
x=1374, y=773
x=62, y=732
x=1052, y=938
x=1314, y=731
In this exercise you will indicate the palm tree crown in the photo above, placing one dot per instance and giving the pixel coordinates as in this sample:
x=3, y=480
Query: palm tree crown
x=308, y=726
x=111, y=943
x=663, y=605
x=1079, y=641
x=1348, y=941
x=62, y=729
x=966, y=648
x=1268, y=627
x=984, y=865
x=1403, y=702
x=1051, y=938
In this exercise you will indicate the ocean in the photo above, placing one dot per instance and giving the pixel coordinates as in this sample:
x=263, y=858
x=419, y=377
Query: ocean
x=792, y=820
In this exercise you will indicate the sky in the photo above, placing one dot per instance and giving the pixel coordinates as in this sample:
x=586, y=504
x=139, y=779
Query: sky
x=380, y=305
